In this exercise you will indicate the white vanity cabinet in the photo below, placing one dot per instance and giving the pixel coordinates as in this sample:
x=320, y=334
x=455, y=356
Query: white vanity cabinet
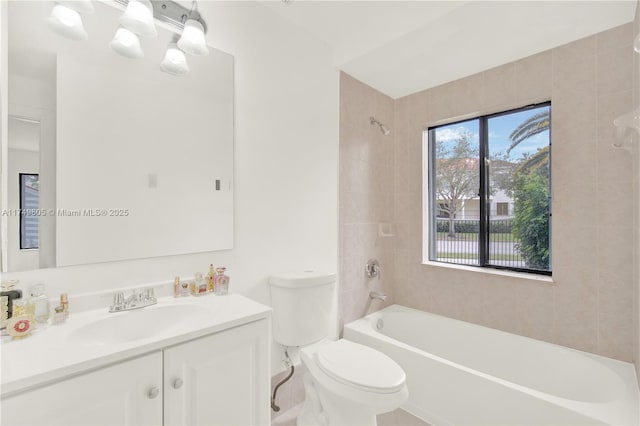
x=222, y=379
x=117, y=395
x=218, y=379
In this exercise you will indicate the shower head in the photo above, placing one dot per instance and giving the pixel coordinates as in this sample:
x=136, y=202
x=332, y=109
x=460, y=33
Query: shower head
x=384, y=129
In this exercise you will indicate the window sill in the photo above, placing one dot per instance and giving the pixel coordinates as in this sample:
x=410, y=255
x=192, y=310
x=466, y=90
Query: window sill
x=520, y=275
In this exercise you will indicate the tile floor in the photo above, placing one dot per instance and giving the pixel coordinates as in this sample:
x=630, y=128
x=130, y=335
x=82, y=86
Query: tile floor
x=394, y=418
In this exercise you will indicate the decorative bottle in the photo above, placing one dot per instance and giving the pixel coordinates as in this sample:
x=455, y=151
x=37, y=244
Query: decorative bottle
x=39, y=304
x=8, y=295
x=221, y=282
x=211, y=277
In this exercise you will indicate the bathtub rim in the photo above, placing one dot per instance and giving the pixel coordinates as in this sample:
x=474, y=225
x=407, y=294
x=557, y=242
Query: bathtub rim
x=625, y=371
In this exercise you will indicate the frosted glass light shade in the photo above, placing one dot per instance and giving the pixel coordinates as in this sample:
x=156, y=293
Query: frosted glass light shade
x=138, y=17
x=80, y=6
x=192, y=40
x=67, y=23
x=174, y=61
x=127, y=44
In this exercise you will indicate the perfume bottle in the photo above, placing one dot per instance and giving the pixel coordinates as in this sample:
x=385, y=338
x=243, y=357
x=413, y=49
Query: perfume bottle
x=201, y=286
x=8, y=291
x=221, y=282
x=64, y=303
x=176, y=287
x=39, y=304
x=210, y=277
x=20, y=324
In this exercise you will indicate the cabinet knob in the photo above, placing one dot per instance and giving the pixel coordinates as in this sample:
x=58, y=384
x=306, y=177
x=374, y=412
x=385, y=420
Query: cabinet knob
x=177, y=383
x=153, y=392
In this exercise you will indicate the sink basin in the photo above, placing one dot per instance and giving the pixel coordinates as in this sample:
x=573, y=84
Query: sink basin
x=128, y=326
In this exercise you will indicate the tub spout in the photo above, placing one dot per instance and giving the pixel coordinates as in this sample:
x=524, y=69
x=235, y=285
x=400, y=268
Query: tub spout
x=377, y=295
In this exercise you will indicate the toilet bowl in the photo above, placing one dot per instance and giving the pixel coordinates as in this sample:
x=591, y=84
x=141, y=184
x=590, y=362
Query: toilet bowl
x=345, y=383
x=349, y=384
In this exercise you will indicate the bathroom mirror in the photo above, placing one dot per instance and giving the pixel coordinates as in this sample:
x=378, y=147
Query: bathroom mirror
x=111, y=158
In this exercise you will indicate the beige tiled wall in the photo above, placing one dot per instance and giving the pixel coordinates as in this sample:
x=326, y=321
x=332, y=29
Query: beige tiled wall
x=366, y=197
x=589, y=305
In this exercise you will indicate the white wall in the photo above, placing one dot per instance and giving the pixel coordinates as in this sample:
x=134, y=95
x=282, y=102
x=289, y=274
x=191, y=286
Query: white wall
x=4, y=106
x=286, y=163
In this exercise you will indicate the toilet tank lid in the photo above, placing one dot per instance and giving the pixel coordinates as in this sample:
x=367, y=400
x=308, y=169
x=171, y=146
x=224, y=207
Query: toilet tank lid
x=302, y=279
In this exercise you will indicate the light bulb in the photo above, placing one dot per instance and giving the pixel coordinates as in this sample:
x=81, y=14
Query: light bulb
x=192, y=40
x=174, y=61
x=127, y=44
x=138, y=17
x=67, y=23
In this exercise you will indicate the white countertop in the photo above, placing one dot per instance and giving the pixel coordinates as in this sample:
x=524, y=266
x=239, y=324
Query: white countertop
x=51, y=354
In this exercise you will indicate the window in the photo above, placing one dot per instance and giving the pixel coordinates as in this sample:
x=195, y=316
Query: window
x=502, y=209
x=489, y=186
x=29, y=200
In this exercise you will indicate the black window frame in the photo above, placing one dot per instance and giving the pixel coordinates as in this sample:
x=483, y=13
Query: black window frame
x=484, y=200
x=23, y=211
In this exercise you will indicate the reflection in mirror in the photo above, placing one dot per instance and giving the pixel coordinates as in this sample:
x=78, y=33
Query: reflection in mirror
x=23, y=192
x=111, y=158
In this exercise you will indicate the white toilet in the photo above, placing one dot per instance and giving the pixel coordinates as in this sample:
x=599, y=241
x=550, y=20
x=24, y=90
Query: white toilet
x=345, y=383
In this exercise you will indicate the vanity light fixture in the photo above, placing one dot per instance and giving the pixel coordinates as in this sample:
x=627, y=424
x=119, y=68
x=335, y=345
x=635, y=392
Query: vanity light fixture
x=174, y=62
x=127, y=44
x=138, y=17
x=67, y=22
x=192, y=40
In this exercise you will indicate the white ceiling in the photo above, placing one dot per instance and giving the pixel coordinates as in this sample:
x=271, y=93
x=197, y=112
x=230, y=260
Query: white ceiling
x=401, y=47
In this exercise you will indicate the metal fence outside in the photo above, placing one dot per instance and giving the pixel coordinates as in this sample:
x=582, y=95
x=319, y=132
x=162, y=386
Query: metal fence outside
x=461, y=246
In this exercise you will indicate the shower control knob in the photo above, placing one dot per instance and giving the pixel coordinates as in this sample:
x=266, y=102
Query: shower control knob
x=153, y=393
x=177, y=383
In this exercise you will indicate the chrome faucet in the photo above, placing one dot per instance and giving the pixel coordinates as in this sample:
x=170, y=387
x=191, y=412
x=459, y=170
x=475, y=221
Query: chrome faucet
x=139, y=298
x=377, y=295
x=372, y=269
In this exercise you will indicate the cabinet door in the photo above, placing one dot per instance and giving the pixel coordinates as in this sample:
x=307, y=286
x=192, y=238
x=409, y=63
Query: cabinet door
x=221, y=379
x=116, y=395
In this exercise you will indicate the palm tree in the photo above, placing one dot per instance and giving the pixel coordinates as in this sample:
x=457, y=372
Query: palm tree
x=535, y=124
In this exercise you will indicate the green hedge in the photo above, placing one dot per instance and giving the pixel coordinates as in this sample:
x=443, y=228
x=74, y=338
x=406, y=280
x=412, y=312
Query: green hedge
x=473, y=226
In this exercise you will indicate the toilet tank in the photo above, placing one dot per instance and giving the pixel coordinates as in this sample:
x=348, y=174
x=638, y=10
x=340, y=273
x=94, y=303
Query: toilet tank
x=301, y=303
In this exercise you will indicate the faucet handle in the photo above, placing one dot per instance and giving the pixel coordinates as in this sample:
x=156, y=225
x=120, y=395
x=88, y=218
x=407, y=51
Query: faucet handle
x=372, y=269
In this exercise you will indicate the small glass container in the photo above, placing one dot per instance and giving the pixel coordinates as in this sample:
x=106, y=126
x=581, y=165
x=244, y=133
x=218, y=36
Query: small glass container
x=7, y=290
x=176, y=287
x=21, y=323
x=201, y=286
x=184, y=289
x=59, y=316
x=4, y=311
x=39, y=304
x=221, y=283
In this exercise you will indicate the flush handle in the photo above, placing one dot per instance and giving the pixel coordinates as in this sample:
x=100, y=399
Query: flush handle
x=153, y=393
x=177, y=383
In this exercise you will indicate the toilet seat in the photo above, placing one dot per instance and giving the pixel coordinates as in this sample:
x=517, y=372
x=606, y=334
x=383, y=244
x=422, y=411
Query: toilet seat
x=361, y=367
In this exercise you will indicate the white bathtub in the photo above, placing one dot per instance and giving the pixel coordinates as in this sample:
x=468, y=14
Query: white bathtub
x=460, y=373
